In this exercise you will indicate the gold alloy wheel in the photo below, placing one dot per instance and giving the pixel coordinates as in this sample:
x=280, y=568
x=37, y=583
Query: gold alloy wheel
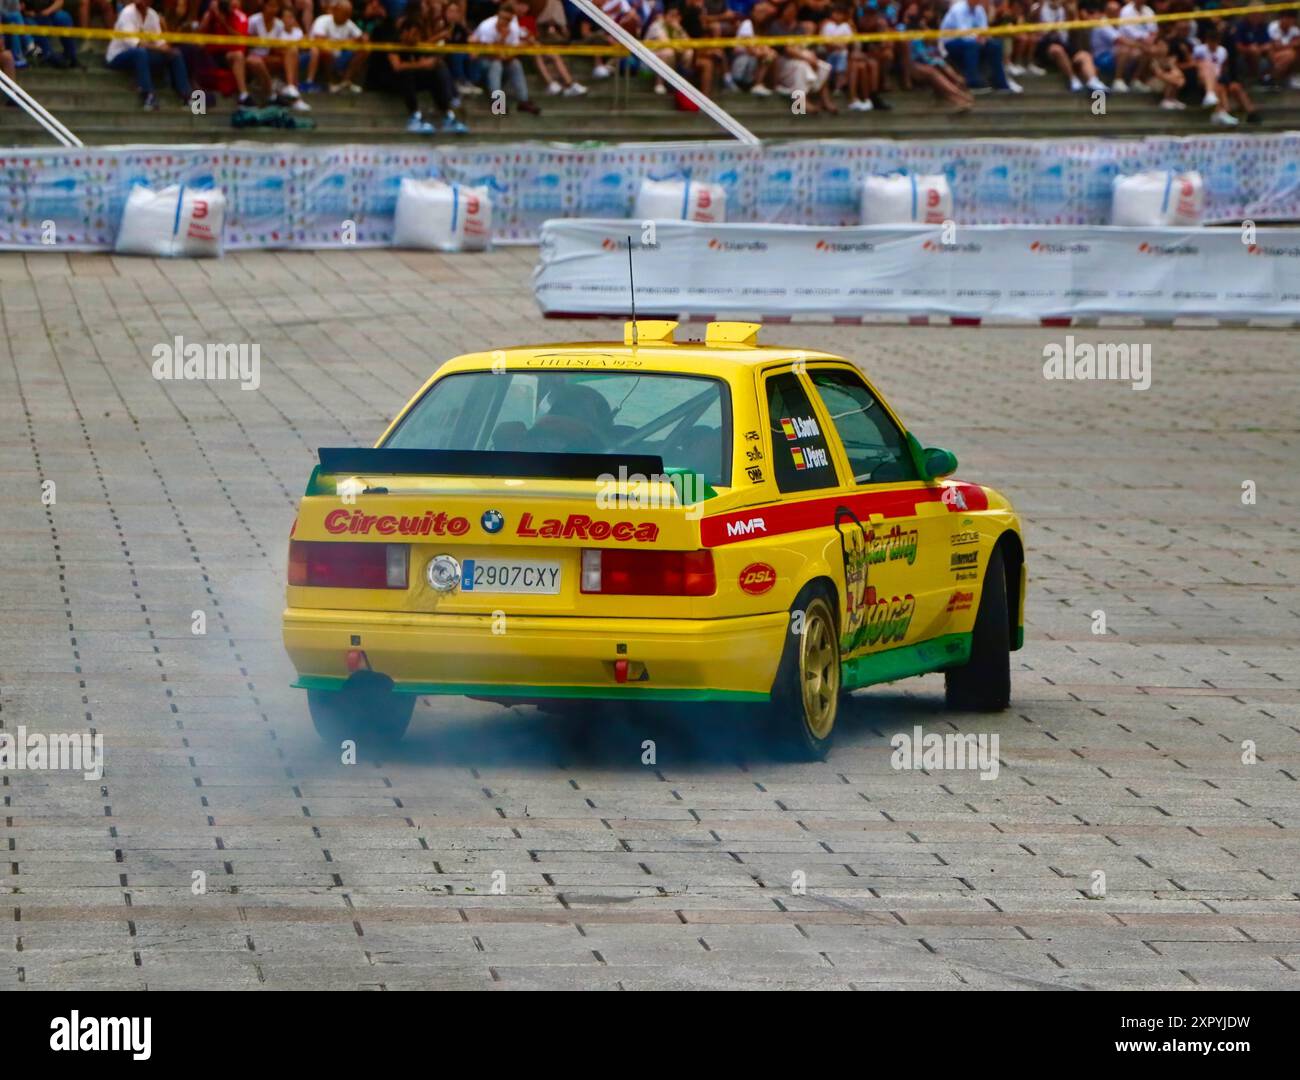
x=819, y=669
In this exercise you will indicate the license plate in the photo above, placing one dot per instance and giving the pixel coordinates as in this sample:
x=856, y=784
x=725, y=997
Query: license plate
x=510, y=576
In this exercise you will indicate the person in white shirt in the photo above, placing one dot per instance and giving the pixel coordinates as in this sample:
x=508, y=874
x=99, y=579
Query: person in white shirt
x=751, y=65
x=975, y=49
x=1283, y=49
x=1137, y=44
x=143, y=58
x=1055, y=48
x=264, y=64
x=1211, y=59
x=337, y=28
x=504, y=29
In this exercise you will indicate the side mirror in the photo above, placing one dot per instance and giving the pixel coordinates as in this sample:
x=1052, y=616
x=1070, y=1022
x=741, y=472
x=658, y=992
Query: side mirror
x=938, y=462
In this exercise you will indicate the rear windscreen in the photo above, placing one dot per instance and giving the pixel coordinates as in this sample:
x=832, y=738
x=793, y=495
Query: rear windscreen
x=684, y=419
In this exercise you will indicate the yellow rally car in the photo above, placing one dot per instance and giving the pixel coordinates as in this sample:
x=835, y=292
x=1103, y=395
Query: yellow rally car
x=648, y=522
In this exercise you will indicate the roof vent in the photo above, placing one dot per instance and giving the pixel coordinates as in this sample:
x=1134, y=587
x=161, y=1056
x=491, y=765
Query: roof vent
x=733, y=333
x=649, y=332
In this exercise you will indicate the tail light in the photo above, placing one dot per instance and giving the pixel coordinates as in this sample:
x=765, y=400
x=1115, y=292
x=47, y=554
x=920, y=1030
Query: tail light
x=344, y=565
x=613, y=572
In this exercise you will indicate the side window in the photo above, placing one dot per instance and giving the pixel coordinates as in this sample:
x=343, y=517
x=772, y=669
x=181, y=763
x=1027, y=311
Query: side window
x=801, y=460
x=876, y=448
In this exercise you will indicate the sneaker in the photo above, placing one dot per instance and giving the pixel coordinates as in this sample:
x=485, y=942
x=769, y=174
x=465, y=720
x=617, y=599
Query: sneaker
x=1014, y=69
x=759, y=90
x=1172, y=103
x=245, y=101
x=728, y=83
x=860, y=106
x=1012, y=87
x=1034, y=69
x=575, y=89
x=1141, y=87
x=19, y=63
x=336, y=88
x=452, y=126
x=1075, y=85
x=1294, y=82
x=554, y=88
x=1096, y=84
x=353, y=88
x=1119, y=86
x=298, y=105
x=417, y=125
x=149, y=103
x=529, y=107
x=468, y=89
x=277, y=87
x=1224, y=119
x=1211, y=100
x=601, y=71
x=660, y=88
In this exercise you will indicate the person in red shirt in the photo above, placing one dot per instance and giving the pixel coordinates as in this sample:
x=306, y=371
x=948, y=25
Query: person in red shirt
x=227, y=17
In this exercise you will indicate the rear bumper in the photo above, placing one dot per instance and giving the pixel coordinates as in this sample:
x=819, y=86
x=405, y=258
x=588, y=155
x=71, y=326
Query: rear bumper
x=550, y=657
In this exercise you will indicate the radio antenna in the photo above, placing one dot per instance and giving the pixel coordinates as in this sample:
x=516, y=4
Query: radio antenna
x=631, y=288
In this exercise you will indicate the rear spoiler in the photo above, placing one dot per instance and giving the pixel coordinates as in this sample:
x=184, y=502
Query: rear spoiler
x=365, y=461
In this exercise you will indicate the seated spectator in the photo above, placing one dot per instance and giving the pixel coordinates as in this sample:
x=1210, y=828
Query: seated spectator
x=466, y=70
x=143, y=58
x=1056, y=49
x=227, y=17
x=975, y=51
x=409, y=73
x=343, y=68
x=1140, y=45
x=751, y=65
x=1211, y=56
x=667, y=26
x=272, y=66
x=21, y=46
x=1283, y=47
x=799, y=70
x=928, y=68
x=553, y=70
x=705, y=64
x=623, y=13
x=1164, y=75
x=1019, y=51
x=52, y=13
x=1250, y=44
x=1111, y=52
x=504, y=29
x=876, y=58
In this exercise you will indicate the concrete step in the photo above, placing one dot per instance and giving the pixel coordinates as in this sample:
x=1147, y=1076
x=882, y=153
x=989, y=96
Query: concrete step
x=101, y=107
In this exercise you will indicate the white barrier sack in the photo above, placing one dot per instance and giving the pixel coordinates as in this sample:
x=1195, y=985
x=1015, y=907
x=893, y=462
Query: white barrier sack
x=1150, y=199
x=438, y=216
x=680, y=200
x=906, y=199
x=174, y=221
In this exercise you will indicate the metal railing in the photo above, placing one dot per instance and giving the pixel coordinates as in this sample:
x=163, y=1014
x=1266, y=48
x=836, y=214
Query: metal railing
x=37, y=111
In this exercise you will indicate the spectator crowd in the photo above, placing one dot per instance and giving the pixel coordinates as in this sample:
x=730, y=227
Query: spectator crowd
x=1208, y=62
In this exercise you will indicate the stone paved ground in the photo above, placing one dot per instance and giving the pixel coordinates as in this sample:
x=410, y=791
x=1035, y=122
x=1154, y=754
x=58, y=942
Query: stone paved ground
x=1122, y=753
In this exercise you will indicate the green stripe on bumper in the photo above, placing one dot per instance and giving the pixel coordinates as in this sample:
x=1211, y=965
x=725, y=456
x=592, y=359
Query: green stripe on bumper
x=607, y=693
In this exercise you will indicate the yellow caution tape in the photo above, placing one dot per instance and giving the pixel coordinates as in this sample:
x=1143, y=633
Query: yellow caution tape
x=680, y=44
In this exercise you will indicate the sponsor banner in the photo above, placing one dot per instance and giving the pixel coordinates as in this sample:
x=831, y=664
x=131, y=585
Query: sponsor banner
x=301, y=196
x=1025, y=272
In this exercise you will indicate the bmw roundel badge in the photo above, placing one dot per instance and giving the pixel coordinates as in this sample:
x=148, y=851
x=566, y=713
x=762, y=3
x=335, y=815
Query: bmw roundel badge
x=493, y=521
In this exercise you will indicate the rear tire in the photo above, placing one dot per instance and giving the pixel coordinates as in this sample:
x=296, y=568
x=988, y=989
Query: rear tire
x=806, y=691
x=983, y=684
x=366, y=710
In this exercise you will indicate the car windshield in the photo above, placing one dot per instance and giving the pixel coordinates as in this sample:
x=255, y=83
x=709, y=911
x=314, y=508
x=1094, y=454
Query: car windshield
x=685, y=419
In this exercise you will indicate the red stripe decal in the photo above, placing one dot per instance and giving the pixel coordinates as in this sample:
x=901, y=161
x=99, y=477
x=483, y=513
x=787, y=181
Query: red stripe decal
x=780, y=518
